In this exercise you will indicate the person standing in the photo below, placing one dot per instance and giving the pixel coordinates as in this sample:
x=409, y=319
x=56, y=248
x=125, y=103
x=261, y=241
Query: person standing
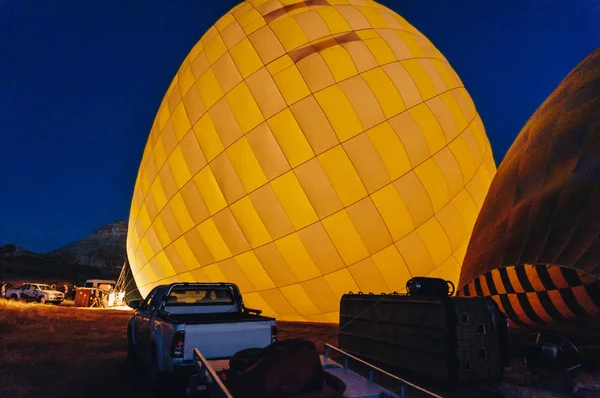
x=2, y=289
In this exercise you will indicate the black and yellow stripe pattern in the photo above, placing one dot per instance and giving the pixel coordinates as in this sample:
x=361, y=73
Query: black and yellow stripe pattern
x=538, y=294
x=535, y=247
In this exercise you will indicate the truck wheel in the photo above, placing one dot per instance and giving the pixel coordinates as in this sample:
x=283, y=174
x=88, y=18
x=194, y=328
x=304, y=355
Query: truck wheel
x=130, y=346
x=158, y=378
x=42, y=300
x=14, y=297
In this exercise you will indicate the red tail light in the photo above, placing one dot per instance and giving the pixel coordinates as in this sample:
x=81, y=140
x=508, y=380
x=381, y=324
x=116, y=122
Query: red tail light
x=177, y=344
x=273, y=334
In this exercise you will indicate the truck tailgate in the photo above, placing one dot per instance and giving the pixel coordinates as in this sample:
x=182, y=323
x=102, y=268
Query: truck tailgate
x=222, y=340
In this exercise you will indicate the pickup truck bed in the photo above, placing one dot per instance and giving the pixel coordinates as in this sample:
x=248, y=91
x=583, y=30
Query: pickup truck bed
x=198, y=319
x=176, y=318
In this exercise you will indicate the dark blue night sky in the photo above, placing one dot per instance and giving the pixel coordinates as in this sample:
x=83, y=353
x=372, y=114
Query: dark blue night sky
x=80, y=83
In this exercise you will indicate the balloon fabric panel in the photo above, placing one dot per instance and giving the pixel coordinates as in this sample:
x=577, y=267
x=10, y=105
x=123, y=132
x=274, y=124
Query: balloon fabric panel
x=307, y=149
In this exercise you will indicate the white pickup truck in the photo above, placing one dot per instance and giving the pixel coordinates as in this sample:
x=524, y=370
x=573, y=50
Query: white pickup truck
x=175, y=319
x=39, y=292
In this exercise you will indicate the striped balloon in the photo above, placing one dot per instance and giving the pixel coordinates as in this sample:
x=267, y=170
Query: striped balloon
x=542, y=208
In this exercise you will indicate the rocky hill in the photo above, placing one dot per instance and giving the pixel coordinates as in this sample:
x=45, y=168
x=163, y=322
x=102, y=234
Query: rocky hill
x=104, y=248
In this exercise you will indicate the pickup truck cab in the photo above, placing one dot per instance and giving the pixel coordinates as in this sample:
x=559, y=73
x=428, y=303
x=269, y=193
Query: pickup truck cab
x=175, y=319
x=39, y=292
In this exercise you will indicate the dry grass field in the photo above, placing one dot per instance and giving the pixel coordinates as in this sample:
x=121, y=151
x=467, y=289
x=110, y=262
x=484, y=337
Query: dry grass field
x=62, y=351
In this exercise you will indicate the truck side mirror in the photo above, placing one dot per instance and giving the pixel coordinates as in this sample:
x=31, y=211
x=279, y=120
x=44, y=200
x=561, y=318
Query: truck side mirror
x=134, y=304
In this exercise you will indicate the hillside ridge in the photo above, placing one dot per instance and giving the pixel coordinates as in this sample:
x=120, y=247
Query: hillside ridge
x=103, y=248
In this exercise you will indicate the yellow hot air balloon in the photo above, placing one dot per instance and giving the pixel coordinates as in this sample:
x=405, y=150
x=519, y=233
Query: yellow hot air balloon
x=306, y=149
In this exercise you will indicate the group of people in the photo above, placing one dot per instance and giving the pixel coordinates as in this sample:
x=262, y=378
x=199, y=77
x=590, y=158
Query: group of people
x=69, y=292
x=65, y=288
x=99, y=298
x=4, y=286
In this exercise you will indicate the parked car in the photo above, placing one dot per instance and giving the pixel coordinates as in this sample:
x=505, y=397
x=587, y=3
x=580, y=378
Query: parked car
x=175, y=319
x=102, y=284
x=38, y=292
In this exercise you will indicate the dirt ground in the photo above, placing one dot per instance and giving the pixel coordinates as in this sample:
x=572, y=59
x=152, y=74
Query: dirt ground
x=63, y=352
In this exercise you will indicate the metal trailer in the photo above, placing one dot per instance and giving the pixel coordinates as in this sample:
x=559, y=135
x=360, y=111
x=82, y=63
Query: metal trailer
x=207, y=381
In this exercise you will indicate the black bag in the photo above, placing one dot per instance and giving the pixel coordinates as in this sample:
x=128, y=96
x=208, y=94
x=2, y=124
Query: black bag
x=284, y=369
x=242, y=360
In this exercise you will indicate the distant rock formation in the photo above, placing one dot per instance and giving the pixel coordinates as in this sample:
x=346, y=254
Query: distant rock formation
x=10, y=250
x=104, y=248
x=7, y=251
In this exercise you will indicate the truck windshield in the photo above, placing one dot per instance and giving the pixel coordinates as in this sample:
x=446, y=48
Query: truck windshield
x=194, y=296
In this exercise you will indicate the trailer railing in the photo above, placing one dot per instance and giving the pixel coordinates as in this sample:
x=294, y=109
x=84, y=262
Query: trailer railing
x=207, y=378
x=372, y=369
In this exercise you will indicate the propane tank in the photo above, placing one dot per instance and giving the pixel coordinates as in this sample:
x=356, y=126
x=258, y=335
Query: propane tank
x=423, y=286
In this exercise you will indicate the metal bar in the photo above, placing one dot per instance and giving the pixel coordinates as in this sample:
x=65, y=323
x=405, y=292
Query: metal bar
x=212, y=372
x=370, y=375
x=401, y=394
x=326, y=354
x=405, y=382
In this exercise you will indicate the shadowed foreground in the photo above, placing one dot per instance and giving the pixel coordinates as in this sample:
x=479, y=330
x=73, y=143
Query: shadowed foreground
x=49, y=351
x=65, y=351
